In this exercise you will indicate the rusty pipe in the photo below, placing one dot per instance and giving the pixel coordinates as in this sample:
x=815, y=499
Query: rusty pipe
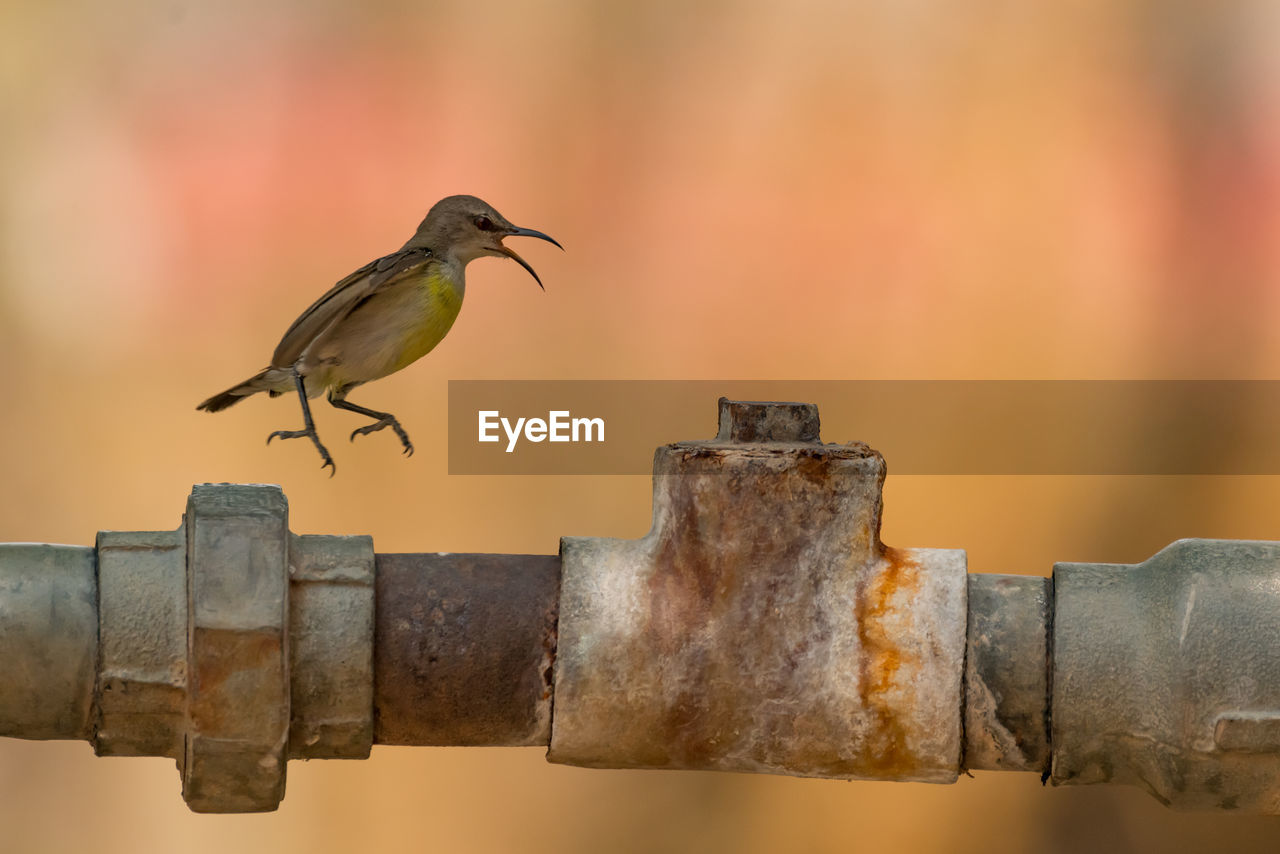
x=231, y=645
x=761, y=625
x=463, y=645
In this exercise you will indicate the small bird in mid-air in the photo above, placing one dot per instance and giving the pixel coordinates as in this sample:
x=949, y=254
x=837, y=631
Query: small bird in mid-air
x=381, y=318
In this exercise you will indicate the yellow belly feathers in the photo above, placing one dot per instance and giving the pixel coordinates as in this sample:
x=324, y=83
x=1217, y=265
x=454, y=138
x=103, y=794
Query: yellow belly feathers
x=394, y=328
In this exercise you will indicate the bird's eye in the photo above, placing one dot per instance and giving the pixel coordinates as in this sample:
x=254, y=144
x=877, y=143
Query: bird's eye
x=484, y=223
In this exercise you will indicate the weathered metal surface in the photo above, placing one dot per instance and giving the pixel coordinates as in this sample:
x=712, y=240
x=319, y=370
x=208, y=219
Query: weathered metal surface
x=1006, y=674
x=1166, y=675
x=142, y=612
x=331, y=647
x=761, y=625
x=238, y=696
x=227, y=644
x=48, y=640
x=464, y=645
x=745, y=421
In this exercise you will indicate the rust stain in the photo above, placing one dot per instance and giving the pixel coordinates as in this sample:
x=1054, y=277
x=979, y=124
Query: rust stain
x=888, y=752
x=732, y=629
x=685, y=588
x=550, y=639
x=725, y=563
x=814, y=467
x=465, y=648
x=687, y=579
x=231, y=669
x=728, y=559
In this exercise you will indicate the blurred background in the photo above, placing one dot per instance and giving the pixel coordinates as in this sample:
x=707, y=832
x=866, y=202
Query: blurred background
x=808, y=190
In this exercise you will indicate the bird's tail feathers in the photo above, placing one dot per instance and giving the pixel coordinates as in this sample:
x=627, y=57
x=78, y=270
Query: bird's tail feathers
x=237, y=393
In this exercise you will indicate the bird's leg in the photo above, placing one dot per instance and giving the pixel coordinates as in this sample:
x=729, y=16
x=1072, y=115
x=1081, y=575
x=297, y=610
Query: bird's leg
x=384, y=419
x=308, y=427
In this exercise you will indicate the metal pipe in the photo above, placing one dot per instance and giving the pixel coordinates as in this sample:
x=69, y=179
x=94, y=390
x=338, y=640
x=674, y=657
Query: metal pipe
x=1006, y=674
x=463, y=645
x=1166, y=675
x=48, y=640
x=760, y=625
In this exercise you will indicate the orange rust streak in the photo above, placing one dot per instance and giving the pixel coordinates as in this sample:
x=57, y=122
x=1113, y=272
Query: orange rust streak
x=888, y=752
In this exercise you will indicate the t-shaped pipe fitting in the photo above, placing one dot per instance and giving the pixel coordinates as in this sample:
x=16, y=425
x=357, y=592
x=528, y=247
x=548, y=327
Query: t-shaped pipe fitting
x=761, y=625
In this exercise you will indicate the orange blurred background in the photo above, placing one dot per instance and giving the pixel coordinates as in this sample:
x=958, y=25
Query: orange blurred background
x=810, y=190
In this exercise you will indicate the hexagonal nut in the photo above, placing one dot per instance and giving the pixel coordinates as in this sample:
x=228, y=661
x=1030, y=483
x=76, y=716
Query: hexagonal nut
x=238, y=700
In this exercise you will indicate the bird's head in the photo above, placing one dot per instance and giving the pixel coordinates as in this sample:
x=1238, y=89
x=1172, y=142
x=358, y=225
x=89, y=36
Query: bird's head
x=465, y=228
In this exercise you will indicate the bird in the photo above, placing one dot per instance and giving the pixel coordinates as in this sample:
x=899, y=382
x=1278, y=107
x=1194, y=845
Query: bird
x=382, y=318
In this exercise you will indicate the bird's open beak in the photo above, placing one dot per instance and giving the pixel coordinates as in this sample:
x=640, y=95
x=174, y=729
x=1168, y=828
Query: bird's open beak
x=511, y=253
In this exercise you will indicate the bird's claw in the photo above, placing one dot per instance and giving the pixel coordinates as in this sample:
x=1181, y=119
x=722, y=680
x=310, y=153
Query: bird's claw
x=327, y=460
x=287, y=434
x=386, y=422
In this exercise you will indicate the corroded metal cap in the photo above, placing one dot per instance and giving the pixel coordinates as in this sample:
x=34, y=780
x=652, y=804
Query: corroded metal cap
x=761, y=625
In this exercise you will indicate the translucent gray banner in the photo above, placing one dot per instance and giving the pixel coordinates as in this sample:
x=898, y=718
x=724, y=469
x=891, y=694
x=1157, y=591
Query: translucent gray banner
x=954, y=427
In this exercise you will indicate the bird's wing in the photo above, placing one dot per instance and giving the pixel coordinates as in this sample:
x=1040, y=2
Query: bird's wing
x=342, y=299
